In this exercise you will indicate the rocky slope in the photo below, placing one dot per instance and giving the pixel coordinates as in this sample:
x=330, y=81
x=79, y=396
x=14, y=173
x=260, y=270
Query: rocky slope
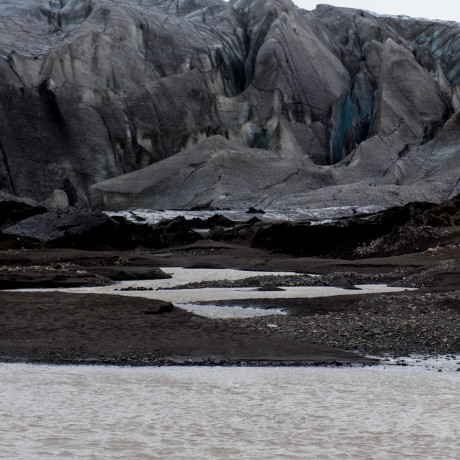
x=182, y=103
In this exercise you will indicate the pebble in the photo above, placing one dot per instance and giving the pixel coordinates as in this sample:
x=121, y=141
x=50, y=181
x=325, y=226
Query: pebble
x=380, y=325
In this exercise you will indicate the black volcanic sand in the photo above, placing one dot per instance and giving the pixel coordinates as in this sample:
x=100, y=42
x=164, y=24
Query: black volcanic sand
x=49, y=268
x=56, y=327
x=82, y=328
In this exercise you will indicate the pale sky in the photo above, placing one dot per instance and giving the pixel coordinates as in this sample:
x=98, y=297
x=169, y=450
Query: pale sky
x=440, y=9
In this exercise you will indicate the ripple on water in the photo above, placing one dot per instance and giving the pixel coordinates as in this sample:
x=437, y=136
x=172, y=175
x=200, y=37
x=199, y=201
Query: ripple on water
x=105, y=412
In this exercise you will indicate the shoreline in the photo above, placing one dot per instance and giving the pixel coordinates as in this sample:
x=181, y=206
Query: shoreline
x=426, y=363
x=57, y=327
x=328, y=317
x=46, y=339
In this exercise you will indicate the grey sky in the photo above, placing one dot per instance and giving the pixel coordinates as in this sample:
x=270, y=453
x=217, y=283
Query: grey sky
x=440, y=9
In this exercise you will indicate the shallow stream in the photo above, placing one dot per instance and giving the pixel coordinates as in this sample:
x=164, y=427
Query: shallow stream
x=186, y=298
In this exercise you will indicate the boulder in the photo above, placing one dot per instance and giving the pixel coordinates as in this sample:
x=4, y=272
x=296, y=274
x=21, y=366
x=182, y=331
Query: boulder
x=57, y=200
x=339, y=238
x=253, y=210
x=4, y=196
x=173, y=232
x=76, y=228
x=210, y=222
x=129, y=273
x=423, y=232
x=94, y=230
x=66, y=278
x=12, y=212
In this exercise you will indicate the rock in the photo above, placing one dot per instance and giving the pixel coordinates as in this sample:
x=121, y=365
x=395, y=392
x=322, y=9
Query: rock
x=4, y=196
x=66, y=228
x=252, y=210
x=446, y=214
x=94, y=230
x=137, y=218
x=424, y=232
x=223, y=234
x=335, y=239
x=270, y=289
x=130, y=273
x=173, y=232
x=210, y=222
x=57, y=200
x=12, y=212
x=420, y=233
x=252, y=221
x=161, y=309
x=343, y=282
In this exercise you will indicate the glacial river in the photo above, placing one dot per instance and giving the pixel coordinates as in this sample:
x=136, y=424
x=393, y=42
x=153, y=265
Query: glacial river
x=237, y=413
x=383, y=412
x=189, y=299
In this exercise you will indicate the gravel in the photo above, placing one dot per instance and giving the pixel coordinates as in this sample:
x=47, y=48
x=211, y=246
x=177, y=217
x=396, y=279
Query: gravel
x=404, y=276
x=332, y=279
x=395, y=325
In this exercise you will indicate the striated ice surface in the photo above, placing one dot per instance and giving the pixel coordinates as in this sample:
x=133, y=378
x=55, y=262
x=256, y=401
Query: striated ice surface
x=319, y=215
